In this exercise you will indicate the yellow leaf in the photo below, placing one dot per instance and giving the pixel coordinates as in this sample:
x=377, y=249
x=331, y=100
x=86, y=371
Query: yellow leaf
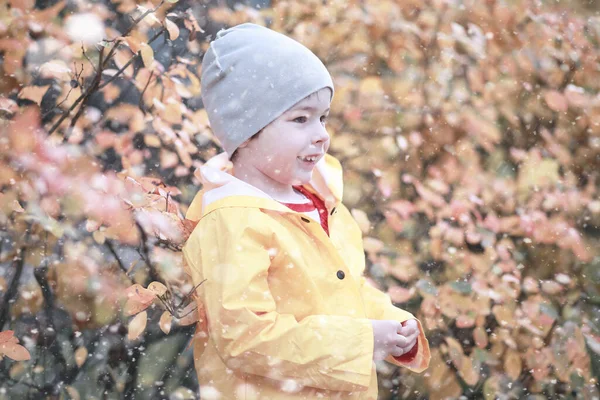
x=172, y=113
x=74, y=393
x=455, y=352
x=134, y=44
x=99, y=237
x=157, y=288
x=80, y=356
x=147, y=54
x=468, y=373
x=512, y=364
x=33, y=93
x=166, y=320
x=481, y=337
x=137, y=325
x=172, y=29
x=152, y=141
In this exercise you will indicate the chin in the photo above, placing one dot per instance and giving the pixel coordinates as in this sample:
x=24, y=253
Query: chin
x=301, y=180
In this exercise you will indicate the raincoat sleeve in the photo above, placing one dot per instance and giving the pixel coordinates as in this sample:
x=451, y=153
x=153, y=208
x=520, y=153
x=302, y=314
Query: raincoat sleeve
x=379, y=306
x=230, y=249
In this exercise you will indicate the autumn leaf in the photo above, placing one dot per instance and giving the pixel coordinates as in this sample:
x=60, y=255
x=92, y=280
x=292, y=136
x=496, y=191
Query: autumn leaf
x=556, y=101
x=166, y=320
x=33, y=93
x=147, y=54
x=172, y=29
x=157, y=288
x=512, y=364
x=138, y=299
x=10, y=348
x=189, y=315
x=81, y=355
x=137, y=326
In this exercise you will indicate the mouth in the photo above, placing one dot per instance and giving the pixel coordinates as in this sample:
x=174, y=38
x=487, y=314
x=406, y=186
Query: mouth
x=310, y=160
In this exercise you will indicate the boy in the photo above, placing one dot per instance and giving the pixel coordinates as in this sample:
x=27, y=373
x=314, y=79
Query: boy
x=285, y=310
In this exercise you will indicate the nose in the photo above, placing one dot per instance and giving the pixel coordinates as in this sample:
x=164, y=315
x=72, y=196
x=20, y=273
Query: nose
x=320, y=135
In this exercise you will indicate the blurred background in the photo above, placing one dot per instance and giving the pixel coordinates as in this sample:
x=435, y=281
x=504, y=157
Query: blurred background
x=469, y=133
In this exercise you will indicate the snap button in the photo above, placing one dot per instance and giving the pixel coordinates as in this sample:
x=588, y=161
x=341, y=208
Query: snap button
x=341, y=274
x=305, y=219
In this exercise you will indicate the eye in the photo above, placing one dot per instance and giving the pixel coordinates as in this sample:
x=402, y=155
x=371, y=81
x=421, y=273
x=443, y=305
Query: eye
x=324, y=118
x=300, y=120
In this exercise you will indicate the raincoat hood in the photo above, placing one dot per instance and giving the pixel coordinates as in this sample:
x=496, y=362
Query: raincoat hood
x=221, y=189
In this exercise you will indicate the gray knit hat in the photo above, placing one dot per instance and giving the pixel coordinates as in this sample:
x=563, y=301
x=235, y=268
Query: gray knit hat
x=250, y=76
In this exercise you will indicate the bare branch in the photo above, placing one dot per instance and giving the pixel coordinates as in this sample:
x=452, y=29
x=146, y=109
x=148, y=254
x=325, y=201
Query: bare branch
x=143, y=108
x=17, y=267
x=128, y=63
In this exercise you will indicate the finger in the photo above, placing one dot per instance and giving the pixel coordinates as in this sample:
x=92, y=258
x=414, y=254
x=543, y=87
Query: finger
x=413, y=323
x=401, y=341
x=397, y=351
x=410, y=344
x=414, y=335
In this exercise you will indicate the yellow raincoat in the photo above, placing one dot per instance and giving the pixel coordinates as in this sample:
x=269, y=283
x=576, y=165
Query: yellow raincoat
x=285, y=308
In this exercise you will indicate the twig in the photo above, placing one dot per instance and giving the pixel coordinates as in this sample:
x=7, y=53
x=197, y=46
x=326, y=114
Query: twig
x=145, y=253
x=128, y=31
x=190, y=293
x=17, y=266
x=141, y=102
x=128, y=63
x=112, y=250
x=84, y=96
x=87, y=58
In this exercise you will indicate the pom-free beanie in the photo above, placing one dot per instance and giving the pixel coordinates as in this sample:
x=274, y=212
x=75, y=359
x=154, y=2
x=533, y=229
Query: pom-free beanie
x=251, y=75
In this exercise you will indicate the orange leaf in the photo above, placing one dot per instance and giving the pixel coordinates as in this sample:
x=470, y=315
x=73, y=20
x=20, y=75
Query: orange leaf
x=138, y=299
x=172, y=29
x=166, y=320
x=80, y=356
x=134, y=44
x=157, y=288
x=190, y=315
x=556, y=101
x=137, y=325
x=5, y=336
x=147, y=54
x=10, y=348
x=33, y=93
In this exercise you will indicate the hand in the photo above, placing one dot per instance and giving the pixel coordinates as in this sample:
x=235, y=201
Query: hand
x=410, y=331
x=387, y=339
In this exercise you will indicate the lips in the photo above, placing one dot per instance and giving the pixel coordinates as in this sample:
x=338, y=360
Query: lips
x=313, y=158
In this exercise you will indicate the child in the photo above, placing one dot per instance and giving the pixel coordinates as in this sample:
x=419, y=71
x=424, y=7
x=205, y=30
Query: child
x=285, y=310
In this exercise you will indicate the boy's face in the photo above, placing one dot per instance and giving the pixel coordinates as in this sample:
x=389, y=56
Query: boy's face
x=287, y=150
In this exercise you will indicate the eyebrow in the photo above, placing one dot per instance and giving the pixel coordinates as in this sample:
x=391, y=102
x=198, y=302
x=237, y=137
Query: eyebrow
x=307, y=108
